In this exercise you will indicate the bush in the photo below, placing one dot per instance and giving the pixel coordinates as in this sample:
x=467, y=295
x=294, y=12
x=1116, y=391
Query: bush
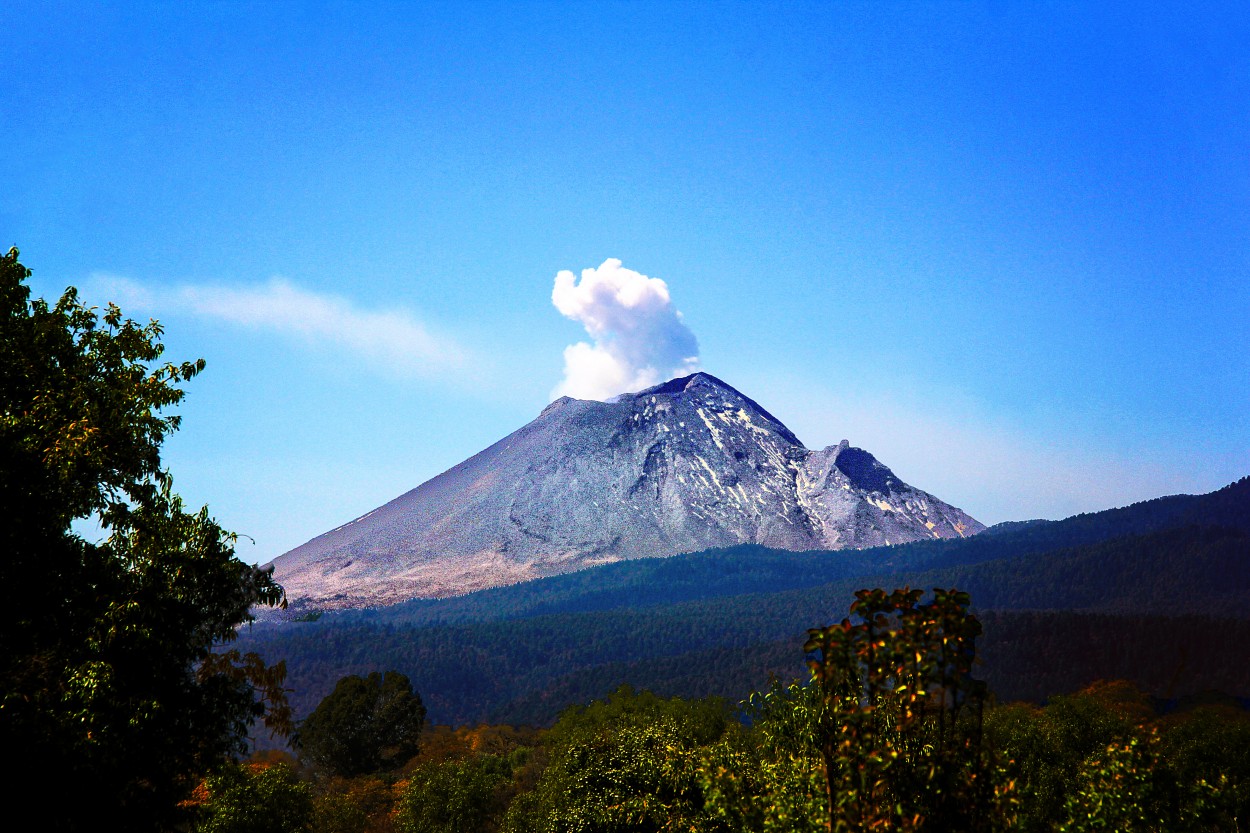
x=255, y=799
x=454, y=796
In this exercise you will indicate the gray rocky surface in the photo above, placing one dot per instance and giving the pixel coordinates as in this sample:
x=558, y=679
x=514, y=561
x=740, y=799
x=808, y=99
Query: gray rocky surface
x=680, y=467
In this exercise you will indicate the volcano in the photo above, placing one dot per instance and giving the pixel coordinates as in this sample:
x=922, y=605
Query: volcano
x=680, y=467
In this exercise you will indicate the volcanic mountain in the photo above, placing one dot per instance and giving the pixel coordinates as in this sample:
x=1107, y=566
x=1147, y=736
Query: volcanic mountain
x=684, y=466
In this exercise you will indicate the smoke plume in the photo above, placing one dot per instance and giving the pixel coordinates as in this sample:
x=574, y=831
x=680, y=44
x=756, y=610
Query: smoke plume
x=637, y=337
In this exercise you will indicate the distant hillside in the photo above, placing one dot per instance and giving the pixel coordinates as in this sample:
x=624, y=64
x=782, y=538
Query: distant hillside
x=525, y=671
x=1158, y=592
x=1023, y=656
x=1191, y=569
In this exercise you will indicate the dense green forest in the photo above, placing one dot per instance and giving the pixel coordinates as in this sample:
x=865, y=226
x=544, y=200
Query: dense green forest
x=527, y=671
x=889, y=730
x=716, y=623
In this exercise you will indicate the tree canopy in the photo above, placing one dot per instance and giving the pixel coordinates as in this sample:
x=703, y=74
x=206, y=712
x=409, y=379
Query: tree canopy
x=107, y=662
x=364, y=725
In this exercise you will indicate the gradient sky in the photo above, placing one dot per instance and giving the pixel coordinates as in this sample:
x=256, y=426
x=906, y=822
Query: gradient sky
x=1004, y=247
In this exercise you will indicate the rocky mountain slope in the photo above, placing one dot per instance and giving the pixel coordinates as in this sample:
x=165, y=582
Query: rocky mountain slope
x=680, y=467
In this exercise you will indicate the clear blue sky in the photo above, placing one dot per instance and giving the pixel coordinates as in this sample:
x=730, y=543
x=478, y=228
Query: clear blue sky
x=1004, y=247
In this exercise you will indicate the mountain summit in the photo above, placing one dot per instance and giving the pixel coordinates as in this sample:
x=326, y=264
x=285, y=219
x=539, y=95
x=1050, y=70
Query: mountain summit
x=679, y=467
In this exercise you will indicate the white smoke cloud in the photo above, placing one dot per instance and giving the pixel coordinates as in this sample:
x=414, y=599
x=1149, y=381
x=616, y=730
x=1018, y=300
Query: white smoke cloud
x=392, y=340
x=637, y=336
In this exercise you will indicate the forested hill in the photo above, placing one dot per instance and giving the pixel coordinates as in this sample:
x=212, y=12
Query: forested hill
x=1161, y=595
x=1146, y=609
x=754, y=569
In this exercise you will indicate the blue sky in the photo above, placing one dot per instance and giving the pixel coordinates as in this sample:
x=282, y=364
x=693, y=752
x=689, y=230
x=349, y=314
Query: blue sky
x=1004, y=247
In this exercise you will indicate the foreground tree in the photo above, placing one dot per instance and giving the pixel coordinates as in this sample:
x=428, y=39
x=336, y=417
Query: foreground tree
x=364, y=725
x=886, y=735
x=1101, y=759
x=109, y=687
x=899, y=722
x=771, y=779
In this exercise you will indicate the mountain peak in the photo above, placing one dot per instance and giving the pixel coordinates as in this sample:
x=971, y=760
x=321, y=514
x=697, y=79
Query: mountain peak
x=555, y=405
x=705, y=384
x=684, y=383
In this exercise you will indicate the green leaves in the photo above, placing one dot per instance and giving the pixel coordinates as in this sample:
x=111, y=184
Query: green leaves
x=364, y=725
x=453, y=796
x=899, y=713
x=1115, y=790
x=107, y=675
x=248, y=798
x=884, y=736
x=1100, y=759
x=771, y=778
x=630, y=763
x=82, y=402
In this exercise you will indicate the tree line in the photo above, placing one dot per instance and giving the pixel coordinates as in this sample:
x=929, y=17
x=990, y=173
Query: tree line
x=890, y=730
x=539, y=665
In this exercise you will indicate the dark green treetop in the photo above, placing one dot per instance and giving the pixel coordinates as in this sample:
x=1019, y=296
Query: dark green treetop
x=364, y=725
x=108, y=679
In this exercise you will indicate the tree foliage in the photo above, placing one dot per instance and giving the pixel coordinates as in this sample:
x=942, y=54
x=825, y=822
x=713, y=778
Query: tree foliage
x=108, y=676
x=1100, y=759
x=364, y=725
x=899, y=722
x=912, y=750
x=249, y=798
x=884, y=736
x=453, y=796
x=771, y=778
x=627, y=763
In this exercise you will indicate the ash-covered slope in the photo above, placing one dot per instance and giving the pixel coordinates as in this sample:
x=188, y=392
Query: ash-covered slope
x=680, y=467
